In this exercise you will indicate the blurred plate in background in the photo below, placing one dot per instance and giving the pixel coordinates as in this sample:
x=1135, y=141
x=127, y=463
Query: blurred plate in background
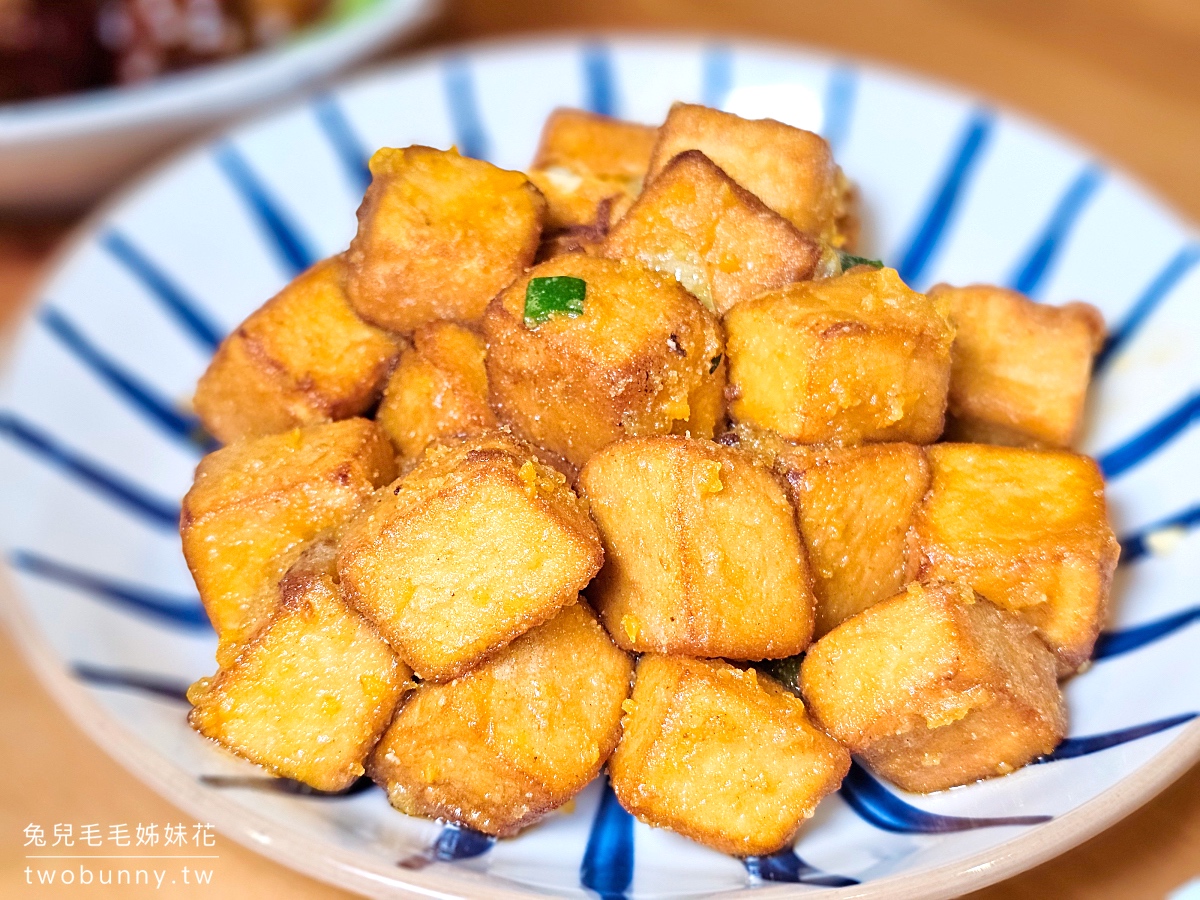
x=66, y=151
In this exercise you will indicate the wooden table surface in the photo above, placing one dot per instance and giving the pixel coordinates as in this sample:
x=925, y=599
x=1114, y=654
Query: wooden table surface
x=1122, y=76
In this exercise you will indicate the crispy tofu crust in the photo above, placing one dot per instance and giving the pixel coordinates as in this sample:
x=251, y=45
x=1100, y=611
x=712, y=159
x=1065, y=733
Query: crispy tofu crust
x=473, y=547
x=720, y=241
x=591, y=143
x=643, y=358
x=590, y=167
x=855, y=507
x=702, y=553
x=502, y=745
x=439, y=235
x=309, y=695
x=791, y=170
x=256, y=504
x=973, y=694
x=439, y=390
x=304, y=357
x=853, y=359
x=722, y=755
x=1021, y=369
x=1029, y=530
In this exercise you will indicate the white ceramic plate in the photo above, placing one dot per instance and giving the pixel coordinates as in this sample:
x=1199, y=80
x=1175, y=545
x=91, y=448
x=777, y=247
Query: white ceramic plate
x=95, y=454
x=64, y=151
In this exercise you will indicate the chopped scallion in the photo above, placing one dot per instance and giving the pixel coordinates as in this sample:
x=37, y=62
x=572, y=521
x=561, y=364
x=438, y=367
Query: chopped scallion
x=558, y=295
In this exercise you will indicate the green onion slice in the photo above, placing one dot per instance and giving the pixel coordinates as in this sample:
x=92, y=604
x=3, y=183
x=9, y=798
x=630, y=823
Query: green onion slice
x=558, y=295
x=785, y=671
x=849, y=261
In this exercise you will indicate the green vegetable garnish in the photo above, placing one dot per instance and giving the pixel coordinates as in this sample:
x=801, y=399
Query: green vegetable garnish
x=849, y=261
x=559, y=295
x=785, y=671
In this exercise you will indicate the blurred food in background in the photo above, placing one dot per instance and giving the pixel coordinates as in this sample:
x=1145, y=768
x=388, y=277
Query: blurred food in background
x=50, y=47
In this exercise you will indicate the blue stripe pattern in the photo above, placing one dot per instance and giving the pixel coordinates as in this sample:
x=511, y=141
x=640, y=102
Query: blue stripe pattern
x=459, y=842
x=1134, y=547
x=600, y=95
x=931, y=229
x=469, y=134
x=607, y=866
x=145, y=682
x=1142, y=446
x=143, y=399
x=180, y=612
x=878, y=806
x=840, y=91
x=1084, y=746
x=1154, y=294
x=1116, y=643
x=291, y=247
x=786, y=866
x=155, y=510
x=1030, y=273
x=345, y=142
x=186, y=311
x=717, y=77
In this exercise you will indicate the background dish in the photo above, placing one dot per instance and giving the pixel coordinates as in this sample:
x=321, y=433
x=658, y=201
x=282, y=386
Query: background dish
x=67, y=150
x=97, y=452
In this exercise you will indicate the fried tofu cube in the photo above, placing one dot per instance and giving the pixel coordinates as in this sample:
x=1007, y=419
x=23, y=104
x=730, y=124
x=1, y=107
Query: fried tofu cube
x=644, y=357
x=590, y=167
x=1021, y=369
x=971, y=695
x=791, y=170
x=499, y=747
x=701, y=548
x=720, y=241
x=722, y=755
x=853, y=359
x=439, y=235
x=855, y=506
x=438, y=390
x=309, y=695
x=304, y=357
x=1029, y=530
x=256, y=504
x=473, y=547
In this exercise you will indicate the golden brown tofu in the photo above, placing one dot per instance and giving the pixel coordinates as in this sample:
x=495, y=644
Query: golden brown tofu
x=257, y=503
x=590, y=167
x=438, y=236
x=791, y=170
x=1021, y=369
x=722, y=755
x=855, y=506
x=719, y=240
x=857, y=358
x=701, y=548
x=309, y=695
x=438, y=390
x=643, y=357
x=476, y=545
x=971, y=695
x=502, y=745
x=1029, y=530
x=304, y=357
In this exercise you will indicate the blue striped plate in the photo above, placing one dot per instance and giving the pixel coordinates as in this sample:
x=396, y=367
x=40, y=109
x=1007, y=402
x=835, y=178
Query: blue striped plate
x=96, y=449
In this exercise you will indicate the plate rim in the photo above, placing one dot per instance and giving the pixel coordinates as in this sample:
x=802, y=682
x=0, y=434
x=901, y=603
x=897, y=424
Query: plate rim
x=332, y=864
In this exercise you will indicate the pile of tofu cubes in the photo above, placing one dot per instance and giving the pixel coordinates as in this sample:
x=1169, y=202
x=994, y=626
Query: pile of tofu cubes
x=626, y=461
